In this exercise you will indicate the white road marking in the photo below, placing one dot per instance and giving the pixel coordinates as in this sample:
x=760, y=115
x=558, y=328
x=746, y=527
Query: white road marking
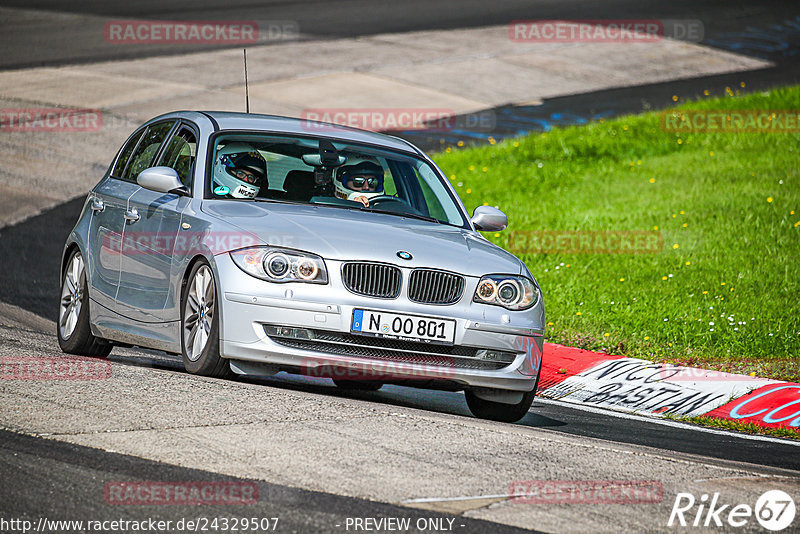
x=666, y=422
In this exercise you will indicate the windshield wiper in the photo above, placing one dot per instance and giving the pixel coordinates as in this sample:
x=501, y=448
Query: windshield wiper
x=400, y=214
x=358, y=208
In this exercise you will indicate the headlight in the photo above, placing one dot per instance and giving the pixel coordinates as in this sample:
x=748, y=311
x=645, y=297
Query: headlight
x=510, y=292
x=281, y=265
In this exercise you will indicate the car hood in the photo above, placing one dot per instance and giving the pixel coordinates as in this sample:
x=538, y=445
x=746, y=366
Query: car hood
x=343, y=234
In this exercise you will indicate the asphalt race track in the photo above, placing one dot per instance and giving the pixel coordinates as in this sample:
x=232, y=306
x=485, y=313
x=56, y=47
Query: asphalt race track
x=63, y=38
x=321, y=456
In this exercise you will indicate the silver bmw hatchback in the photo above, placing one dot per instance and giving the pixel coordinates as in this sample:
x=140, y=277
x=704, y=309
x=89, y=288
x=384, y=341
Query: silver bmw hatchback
x=253, y=245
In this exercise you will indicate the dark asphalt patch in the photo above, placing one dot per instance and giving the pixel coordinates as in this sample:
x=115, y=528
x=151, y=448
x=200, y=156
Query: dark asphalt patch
x=30, y=258
x=61, y=481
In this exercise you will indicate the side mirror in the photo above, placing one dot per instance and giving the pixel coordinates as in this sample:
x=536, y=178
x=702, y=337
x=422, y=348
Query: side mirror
x=489, y=219
x=162, y=180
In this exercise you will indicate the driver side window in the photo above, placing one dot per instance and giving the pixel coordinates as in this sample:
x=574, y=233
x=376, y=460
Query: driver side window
x=180, y=155
x=148, y=147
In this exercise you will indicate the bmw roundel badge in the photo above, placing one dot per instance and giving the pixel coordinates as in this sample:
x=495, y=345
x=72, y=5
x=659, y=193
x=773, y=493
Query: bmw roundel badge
x=403, y=255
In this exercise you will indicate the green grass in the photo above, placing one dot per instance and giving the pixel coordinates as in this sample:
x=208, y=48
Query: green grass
x=727, y=206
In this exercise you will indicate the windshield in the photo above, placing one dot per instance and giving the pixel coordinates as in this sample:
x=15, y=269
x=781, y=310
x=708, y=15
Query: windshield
x=335, y=173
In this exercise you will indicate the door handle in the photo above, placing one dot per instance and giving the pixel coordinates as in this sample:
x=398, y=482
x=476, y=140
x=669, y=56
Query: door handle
x=97, y=205
x=132, y=215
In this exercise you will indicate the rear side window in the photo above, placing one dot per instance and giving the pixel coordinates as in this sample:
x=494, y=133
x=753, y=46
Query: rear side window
x=180, y=154
x=145, y=154
x=125, y=154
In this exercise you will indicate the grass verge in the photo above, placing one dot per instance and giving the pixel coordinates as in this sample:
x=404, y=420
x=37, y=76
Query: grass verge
x=721, y=288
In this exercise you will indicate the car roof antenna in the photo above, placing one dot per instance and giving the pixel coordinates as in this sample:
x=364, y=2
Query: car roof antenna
x=246, y=89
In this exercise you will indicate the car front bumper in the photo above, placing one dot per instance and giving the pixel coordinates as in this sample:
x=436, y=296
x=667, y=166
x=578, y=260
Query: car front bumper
x=256, y=314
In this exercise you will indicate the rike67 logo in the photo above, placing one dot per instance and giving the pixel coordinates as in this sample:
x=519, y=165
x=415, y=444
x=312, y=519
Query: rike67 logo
x=774, y=510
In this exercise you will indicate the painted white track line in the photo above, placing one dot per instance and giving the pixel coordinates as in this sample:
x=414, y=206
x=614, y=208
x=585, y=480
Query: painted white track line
x=666, y=422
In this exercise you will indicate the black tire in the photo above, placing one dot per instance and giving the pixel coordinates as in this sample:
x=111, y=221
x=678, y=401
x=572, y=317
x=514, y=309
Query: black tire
x=498, y=411
x=209, y=362
x=358, y=385
x=80, y=341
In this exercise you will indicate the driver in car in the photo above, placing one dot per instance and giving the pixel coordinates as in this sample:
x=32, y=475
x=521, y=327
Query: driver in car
x=360, y=182
x=240, y=171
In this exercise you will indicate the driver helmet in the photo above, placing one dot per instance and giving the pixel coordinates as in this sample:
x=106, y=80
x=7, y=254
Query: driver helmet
x=362, y=179
x=239, y=171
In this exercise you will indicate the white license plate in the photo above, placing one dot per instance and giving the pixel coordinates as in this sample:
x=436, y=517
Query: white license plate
x=403, y=327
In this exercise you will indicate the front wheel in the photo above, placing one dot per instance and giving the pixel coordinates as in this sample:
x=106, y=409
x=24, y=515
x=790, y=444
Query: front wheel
x=498, y=411
x=200, y=325
x=74, y=333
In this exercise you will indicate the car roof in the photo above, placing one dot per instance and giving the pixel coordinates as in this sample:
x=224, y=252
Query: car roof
x=275, y=123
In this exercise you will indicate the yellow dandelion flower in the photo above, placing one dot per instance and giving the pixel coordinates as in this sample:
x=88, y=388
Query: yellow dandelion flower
x=638, y=162
x=711, y=153
x=731, y=289
x=492, y=140
x=606, y=334
x=797, y=224
x=674, y=215
x=688, y=263
x=753, y=373
x=680, y=141
x=652, y=180
x=741, y=84
x=516, y=144
x=674, y=98
x=670, y=344
x=722, y=284
x=675, y=245
x=460, y=143
x=646, y=338
x=621, y=279
x=625, y=127
x=472, y=167
x=567, y=266
x=664, y=278
x=549, y=324
x=706, y=93
x=705, y=292
x=655, y=228
x=497, y=235
x=469, y=191
x=485, y=169
x=769, y=199
x=681, y=212
x=577, y=313
x=684, y=225
x=631, y=164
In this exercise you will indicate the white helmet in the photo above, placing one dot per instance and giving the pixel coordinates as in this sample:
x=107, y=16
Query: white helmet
x=239, y=171
x=362, y=179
